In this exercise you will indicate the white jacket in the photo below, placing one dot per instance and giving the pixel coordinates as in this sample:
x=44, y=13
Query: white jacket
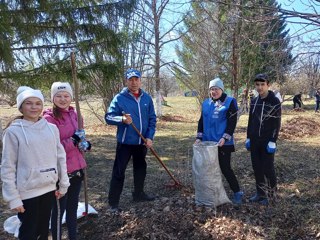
x=33, y=160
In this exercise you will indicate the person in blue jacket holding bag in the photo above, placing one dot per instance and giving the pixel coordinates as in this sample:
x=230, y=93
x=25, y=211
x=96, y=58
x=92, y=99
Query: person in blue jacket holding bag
x=217, y=123
x=131, y=105
x=262, y=133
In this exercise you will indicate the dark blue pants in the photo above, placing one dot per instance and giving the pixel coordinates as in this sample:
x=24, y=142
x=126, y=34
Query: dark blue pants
x=123, y=154
x=225, y=166
x=68, y=203
x=35, y=219
x=263, y=167
x=317, y=105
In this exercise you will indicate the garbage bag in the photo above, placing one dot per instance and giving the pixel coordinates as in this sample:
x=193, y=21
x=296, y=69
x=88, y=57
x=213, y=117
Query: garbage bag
x=207, y=181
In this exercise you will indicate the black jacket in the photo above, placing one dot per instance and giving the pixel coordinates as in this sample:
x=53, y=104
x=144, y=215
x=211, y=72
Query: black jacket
x=264, y=118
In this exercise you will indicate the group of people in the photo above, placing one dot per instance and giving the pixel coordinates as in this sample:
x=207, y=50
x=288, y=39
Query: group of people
x=218, y=121
x=42, y=162
x=297, y=100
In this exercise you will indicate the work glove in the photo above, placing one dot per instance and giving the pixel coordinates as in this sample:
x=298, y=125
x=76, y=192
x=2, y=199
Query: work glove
x=198, y=141
x=78, y=136
x=84, y=146
x=271, y=148
x=247, y=143
x=81, y=134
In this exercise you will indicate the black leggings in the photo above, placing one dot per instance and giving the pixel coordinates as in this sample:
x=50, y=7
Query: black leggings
x=35, y=220
x=225, y=166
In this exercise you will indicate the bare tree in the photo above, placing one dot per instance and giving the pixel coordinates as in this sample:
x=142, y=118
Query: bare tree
x=161, y=27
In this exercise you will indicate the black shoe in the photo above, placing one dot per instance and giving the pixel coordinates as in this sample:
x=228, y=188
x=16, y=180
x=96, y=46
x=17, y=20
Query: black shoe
x=142, y=197
x=115, y=210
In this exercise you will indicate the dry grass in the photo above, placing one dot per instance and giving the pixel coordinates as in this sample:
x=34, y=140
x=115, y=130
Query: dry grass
x=294, y=216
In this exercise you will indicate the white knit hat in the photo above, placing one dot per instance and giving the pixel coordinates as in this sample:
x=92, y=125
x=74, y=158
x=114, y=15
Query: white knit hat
x=217, y=82
x=25, y=92
x=60, y=87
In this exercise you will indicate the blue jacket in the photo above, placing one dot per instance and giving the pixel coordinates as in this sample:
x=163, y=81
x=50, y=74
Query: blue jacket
x=142, y=114
x=218, y=120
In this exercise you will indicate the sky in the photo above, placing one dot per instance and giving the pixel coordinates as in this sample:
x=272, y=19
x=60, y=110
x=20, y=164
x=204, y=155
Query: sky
x=303, y=34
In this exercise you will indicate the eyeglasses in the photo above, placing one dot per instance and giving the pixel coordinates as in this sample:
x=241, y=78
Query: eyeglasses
x=215, y=89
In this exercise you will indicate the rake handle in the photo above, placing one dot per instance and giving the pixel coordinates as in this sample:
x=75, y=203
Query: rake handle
x=80, y=125
x=156, y=155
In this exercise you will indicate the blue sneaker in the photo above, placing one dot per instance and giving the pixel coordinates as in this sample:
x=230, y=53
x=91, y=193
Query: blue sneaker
x=264, y=202
x=256, y=198
x=237, y=198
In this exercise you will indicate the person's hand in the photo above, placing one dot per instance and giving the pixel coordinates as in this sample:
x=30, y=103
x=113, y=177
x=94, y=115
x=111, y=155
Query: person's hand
x=148, y=143
x=247, y=143
x=126, y=118
x=84, y=146
x=80, y=133
x=198, y=141
x=78, y=136
x=19, y=209
x=271, y=148
x=58, y=194
x=221, y=142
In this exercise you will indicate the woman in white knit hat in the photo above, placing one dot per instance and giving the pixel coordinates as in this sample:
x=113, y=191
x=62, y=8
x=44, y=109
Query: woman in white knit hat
x=217, y=123
x=64, y=117
x=32, y=163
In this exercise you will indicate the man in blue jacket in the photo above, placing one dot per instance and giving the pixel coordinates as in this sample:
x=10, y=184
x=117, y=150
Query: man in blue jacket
x=131, y=105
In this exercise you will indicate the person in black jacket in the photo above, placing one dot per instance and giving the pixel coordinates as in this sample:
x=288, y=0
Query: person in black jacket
x=262, y=133
x=297, y=100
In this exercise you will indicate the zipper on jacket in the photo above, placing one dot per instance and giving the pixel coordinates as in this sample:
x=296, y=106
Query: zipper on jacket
x=261, y=118
x=138, y=101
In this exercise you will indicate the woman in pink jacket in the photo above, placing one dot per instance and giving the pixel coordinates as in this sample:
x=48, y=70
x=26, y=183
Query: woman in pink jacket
x=73, y=140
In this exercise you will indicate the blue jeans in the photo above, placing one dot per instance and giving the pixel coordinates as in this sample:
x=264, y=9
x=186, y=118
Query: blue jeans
x=68, y=203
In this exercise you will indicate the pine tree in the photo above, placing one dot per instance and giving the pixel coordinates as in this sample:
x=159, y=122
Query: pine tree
x=37, y=38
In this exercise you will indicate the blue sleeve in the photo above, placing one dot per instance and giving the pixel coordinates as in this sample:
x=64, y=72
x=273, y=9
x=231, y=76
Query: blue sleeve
x=114, y=114
x=152, y=121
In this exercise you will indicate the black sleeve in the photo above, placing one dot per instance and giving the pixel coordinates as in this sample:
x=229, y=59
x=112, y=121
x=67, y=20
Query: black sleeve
x=276, y=120
x=200, y=128
x=249, y=120
x=232, y=117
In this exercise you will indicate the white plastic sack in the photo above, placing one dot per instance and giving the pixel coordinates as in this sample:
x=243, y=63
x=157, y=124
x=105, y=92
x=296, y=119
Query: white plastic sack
x=12, y=224
x=209, y=189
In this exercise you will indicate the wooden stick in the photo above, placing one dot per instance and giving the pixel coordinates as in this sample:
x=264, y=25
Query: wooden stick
x=176, y=183
x=80, y=124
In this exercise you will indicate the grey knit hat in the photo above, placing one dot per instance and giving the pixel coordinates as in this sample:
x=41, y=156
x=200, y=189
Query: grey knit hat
x=217, y=82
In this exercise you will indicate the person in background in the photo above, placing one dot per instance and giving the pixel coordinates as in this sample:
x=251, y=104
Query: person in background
x=317, y=97
x=297, y=100
x=63, y=115
x=278, y=95
x=131, y=106
x=244, y=101
x=262, y=133
x=33, y=161
x=217, y=123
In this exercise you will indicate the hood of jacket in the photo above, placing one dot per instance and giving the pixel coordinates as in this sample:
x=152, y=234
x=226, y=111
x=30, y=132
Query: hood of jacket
x=27, y=126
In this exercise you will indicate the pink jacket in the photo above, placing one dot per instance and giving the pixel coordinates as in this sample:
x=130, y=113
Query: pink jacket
x=67, y=125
